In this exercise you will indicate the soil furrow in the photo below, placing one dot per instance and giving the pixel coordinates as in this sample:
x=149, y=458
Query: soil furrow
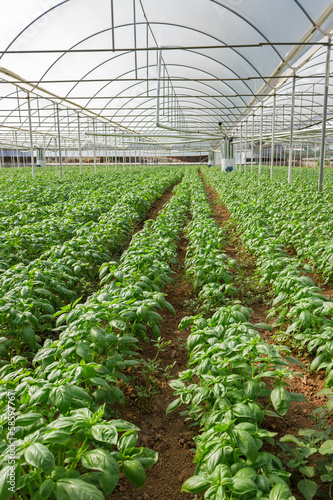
x=169, y=435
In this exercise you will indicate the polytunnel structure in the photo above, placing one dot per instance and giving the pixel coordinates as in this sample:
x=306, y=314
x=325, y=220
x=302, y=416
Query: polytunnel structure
x=166, y=250
x=145, y=76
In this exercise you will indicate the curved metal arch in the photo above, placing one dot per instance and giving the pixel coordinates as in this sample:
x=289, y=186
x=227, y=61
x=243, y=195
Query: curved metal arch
x=31, y=23
x=188, y=88
x=227, y=7
x=150, y=98
x=287, y=85
x=205, y=95
x=143, y=67
x=176, y=65
x=134, y=97
x=188, y=101
x=138, y=83
x=144, y=24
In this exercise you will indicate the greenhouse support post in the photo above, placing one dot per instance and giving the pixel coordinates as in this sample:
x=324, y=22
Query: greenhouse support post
x=260, y=142
x=246, y=138
x=79, y=139
x=115, y=150
x=94, y=129
x=292, y=114
x=273, y=135
x=31, y=139
x=240, y=148
x=17, y=151
x=323, y=131
x=252, y=144
x=106, y=149
x=59, y=142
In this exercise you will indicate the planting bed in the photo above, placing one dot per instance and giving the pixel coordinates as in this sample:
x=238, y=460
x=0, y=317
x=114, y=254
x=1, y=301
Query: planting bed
x=172, y=354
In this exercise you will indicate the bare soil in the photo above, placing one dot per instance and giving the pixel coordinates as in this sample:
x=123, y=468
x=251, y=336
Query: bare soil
x=169, y=435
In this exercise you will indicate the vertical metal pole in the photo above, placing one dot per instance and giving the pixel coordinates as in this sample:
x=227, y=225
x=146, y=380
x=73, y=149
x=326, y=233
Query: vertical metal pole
x=284, y=155
x=240, y=148
x=273, y=135
x=112, y=26
x=292, y=128
x=147, y=58
x=280, y=151
x=260, y=143
x=94, y=130
x=135, y=45
x=44, y=149
x=55, y=152
x=158, y=86
x=79, y=138
x=31, y=139
x=123, y=155
x=59, y=142
x=17, y=151
x=323, y=130
x=115, y=150
x=252, y=144
x=246, y=138
x=106, y=149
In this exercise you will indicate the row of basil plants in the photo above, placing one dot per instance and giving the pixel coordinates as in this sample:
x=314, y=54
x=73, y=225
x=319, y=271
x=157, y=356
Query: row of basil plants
x=31, y=294
x=296, y=298
x=23, y=243
x=224, y=387
x=21, y=194
x=57, y=198
x=300, y=215
x=68, y=443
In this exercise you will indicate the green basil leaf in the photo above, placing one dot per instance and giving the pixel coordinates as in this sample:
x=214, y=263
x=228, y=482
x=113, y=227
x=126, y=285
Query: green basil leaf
x=127, y=441
x=326, y=447
x=174, y=405
x=308, y=488
x=195, y=484
x=280, y=492
x=61, y=397
x=105, y=433
x=99, y=459
x=76, y=489
x=46, y=489
x=280, y=399
x=39, y=456
x=135, y=472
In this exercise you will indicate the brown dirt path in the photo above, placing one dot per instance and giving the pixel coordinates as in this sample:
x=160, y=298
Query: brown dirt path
x=169, y=435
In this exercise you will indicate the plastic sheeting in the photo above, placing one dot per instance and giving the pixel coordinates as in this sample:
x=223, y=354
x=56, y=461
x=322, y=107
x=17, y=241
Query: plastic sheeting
x=100, y=58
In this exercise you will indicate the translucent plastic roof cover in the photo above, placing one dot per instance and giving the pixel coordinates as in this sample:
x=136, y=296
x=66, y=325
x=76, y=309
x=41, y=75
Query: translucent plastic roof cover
x=137, y=65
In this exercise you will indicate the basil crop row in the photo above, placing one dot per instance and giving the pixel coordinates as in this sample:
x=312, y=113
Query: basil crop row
x=300, y=215
x=296, y=296
x=58, y=198
x=65, y=447
x=32, y=294
x=223, y=385
x=26, y=242
x=22, y=198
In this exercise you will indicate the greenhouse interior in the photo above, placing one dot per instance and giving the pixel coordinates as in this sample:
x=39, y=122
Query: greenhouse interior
x=166, y=263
